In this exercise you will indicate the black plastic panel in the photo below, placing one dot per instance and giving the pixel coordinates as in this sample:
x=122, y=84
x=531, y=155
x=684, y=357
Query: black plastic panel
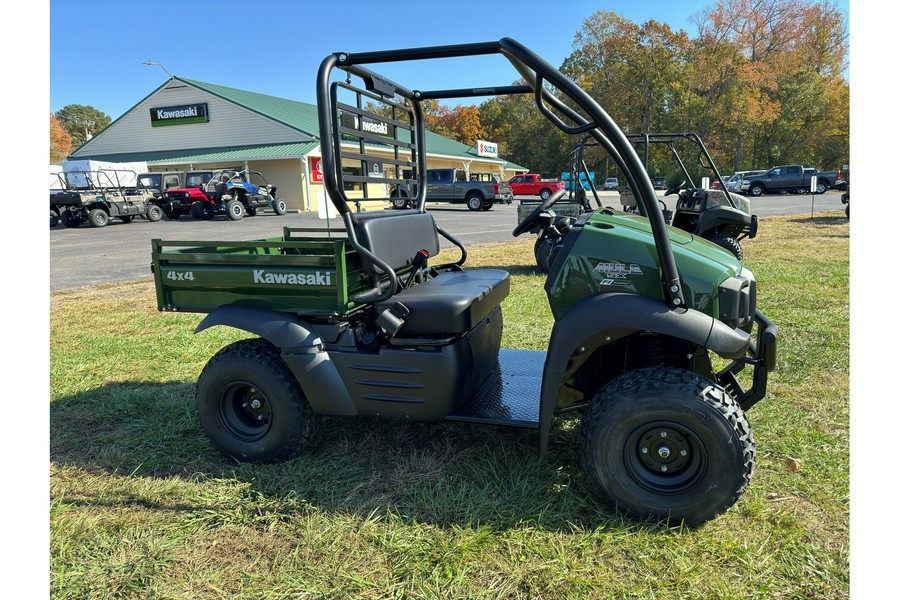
x=511, y=395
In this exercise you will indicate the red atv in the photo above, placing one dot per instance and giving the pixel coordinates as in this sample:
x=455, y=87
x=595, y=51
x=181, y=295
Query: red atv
x=195, y=193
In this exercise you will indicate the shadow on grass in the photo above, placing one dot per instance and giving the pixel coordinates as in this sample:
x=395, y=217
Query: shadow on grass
x=821, y=220
x=448, y=474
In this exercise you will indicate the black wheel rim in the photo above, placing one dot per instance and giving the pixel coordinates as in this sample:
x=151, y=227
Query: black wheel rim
x=244, y=411
x=665, y=457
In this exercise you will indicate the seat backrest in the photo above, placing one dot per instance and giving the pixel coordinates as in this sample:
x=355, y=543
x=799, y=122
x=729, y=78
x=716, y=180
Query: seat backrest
x=395, y=237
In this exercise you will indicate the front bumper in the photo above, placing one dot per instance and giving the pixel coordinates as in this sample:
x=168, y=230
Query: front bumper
x=761, y=356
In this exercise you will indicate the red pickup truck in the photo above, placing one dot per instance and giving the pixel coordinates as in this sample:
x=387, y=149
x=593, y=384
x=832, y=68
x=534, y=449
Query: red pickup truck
x=531, y=184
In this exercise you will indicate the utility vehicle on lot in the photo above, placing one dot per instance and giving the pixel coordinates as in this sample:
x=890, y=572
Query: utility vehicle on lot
x=99, y=199
x=722, y=217
x=366, y=321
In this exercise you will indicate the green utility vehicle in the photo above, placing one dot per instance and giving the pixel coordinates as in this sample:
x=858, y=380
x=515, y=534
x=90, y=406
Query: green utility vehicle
x=366, y=321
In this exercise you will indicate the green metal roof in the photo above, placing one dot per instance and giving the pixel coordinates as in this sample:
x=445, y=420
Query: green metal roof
x=200, y=155
x=300, y=116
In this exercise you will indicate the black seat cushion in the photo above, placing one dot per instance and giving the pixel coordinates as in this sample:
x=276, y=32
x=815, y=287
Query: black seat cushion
x=451, y=303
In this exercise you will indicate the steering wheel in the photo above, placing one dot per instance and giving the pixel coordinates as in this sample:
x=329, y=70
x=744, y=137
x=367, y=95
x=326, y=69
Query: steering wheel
x=675, y=188
x=528, y=221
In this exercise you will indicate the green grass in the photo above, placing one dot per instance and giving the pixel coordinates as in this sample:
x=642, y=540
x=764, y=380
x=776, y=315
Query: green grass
x=143, y=506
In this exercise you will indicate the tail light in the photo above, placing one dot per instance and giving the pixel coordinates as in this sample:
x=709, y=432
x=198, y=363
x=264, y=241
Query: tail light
x=496, y=188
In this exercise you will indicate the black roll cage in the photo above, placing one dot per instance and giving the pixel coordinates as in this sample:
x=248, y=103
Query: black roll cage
x=592, y=120
x=644, y=140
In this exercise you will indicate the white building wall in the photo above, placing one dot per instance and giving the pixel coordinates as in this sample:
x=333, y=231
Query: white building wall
x=228, y=125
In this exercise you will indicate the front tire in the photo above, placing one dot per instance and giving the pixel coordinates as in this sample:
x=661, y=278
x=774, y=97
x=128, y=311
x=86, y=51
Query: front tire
x=199, y=211
x=475, y=202
x=54, y=218
x=251, y=406
x=756, y=190
x=729, y=243
x=665, y=443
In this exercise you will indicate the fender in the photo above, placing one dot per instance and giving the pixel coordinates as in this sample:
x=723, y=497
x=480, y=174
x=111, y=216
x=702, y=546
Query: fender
x=723, y=215
x=604, y=318
x=301, y=348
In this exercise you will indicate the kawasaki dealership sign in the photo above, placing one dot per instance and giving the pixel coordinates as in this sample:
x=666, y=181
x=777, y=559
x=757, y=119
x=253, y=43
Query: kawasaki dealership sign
x=179, y=115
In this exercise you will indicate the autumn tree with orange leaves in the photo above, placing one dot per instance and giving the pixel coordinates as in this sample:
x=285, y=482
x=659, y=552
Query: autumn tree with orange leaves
x=60, y=141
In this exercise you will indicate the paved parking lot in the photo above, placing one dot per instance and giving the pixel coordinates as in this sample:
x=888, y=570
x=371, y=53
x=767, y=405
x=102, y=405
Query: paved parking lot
x=120, y=252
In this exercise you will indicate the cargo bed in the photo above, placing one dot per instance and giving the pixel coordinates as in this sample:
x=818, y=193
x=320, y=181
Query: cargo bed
x=314, y=271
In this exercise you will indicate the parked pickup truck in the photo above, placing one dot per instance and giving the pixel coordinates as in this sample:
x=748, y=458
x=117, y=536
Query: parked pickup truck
x=448, y=185
x=531, y=184
x=789, y=178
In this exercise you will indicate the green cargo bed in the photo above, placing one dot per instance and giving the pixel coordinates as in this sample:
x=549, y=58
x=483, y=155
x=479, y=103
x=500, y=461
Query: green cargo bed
x=312, y=274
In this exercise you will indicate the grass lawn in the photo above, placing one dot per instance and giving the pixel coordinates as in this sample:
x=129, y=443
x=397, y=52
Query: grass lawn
x=142, y=505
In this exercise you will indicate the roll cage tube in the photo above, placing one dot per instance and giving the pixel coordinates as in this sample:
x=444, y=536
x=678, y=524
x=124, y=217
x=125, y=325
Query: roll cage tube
x=535, y=70
x=669, y=140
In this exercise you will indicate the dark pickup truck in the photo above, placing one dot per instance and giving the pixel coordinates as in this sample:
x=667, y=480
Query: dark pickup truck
x=790, y=178
x=448, y=185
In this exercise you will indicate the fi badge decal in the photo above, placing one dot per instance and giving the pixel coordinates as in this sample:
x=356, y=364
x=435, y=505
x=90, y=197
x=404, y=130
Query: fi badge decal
x=618, y=274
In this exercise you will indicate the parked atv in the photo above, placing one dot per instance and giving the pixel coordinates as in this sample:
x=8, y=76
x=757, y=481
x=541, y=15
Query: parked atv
x=371, y=323
x=101, y=199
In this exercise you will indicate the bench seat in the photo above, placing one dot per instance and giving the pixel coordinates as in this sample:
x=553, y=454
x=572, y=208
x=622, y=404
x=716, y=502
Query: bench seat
x=451, y=303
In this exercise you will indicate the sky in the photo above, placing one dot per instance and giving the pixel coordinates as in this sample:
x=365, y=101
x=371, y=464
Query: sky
x=98, y=47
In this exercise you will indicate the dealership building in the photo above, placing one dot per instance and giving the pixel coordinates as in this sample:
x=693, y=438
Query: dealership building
x=188, y=125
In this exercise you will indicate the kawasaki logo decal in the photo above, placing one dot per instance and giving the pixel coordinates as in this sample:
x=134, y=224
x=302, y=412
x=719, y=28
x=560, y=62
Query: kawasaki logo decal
x=179, y=115
x=317, y=279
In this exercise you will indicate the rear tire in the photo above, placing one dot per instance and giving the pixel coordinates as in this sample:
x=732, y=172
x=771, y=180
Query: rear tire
x=234, y=209
x=665, y=443
x=69, y=219
x=98, y=218
x=280, y=207
x=821, y=188
x=729, y=243
x=251, y=406
x=475, y=202
x=399, y=202
x=126, y=218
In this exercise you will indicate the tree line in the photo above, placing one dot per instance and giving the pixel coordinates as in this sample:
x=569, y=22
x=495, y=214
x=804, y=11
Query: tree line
x=762, y=83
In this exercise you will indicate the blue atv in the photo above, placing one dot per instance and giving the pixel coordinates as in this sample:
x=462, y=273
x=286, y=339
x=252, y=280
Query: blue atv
x=234, y=193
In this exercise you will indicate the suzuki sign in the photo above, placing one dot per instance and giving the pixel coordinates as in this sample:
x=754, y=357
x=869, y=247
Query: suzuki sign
x=488, y=149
